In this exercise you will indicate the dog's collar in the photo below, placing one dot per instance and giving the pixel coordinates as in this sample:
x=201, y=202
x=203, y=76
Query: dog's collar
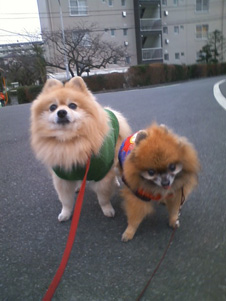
x=143, y=195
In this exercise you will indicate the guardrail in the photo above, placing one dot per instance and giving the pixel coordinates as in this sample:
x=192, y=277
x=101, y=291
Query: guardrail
x=150, y=24
x=151, y=54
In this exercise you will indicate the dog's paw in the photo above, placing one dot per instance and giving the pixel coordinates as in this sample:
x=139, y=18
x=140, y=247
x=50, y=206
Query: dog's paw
x=108, y=211
x=177, y=224
x=64, y=216
x=127, y=235
x=174, y=223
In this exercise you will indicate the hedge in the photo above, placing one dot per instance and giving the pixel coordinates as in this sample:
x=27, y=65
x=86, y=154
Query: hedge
x=136, y=76
x=28, y=94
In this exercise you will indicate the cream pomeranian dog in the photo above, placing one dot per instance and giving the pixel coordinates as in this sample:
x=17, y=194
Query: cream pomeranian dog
x=157, y=167
x=67, y=127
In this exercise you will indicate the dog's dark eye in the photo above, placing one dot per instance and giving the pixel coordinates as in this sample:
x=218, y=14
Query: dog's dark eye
x=172, y=167
x=72, y=106
x=151, y=172
x=52, y=108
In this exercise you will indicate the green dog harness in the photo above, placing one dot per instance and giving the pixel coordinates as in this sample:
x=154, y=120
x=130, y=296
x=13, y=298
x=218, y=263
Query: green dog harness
x=99, y=164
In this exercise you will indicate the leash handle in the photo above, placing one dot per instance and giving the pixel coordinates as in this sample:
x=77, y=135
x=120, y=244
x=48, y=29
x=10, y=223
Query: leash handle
x=71, y=237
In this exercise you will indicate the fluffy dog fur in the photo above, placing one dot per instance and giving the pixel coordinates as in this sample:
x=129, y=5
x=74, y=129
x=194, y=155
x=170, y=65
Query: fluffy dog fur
x=71, y=140
x=160, y=164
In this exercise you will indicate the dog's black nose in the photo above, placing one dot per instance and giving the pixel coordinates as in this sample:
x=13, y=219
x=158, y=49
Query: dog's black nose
x=62, y=113
x=165, y=182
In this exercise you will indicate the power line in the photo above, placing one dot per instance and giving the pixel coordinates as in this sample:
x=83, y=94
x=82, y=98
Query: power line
x=102, y=12
x=187, y=22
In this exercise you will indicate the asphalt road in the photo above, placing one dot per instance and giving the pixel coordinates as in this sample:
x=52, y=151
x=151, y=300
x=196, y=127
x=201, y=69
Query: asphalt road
x=101, y=267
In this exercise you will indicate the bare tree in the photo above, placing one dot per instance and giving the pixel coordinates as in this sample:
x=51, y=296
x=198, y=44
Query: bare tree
x=85, y=49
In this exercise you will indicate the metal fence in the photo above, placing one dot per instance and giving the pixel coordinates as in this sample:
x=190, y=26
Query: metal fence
x=151, y=54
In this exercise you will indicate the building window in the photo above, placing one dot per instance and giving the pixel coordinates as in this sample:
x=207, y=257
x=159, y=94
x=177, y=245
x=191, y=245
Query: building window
x=78, y=7
x=177, y=55
x=164, y=2
x=125, y=31
x=176, y=29
x=166, y=56
x=202, y=32
x=175, y=2
x=128, y=60
x=202, y=5
x=82, y=39
x=123, y=2
x=112, y=32
x=165, y=29
x=110, y=2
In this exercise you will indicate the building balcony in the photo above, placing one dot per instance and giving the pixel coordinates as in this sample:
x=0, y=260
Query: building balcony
x=149, y=54
x=150, y=24
x=149, y=1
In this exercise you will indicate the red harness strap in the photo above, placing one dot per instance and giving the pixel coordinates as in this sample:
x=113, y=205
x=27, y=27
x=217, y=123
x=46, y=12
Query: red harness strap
x=71, y=237
x=145, y=196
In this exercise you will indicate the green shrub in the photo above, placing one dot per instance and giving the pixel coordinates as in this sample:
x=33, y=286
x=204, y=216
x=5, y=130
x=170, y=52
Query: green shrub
x=95, y=82
x=181, y=72
x=156, y=74
x=115, y=81
x=109, y=81
x=198, y=71
x=213, y=69
x=136, y=76
x=28, y=94
x=223, y=68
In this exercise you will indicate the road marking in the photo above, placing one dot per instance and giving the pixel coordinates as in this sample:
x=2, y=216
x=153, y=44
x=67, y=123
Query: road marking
x=218, y=95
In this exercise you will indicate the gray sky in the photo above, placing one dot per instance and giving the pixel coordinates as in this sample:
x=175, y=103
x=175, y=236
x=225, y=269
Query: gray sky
x=18, y=16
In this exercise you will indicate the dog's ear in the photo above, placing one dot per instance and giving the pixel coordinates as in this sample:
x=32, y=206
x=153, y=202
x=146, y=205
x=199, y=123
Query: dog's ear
x=51, y=84
x=140, y=136
x=163, y=126
x=78, y=84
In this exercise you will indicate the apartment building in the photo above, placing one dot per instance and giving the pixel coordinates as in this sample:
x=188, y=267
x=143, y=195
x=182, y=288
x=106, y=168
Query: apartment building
x=7, y=51
x=148, y=28
x=113, y=18
x=186, y=25
x=169, y=31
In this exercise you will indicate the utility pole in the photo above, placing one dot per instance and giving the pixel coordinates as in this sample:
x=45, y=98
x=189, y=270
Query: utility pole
x=63, y=37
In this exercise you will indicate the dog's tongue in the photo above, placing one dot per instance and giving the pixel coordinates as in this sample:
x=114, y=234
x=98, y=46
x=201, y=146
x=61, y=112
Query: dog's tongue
x=166, y=187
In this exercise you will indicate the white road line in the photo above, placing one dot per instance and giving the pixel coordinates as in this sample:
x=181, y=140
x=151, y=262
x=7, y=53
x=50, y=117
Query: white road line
x=218, y=95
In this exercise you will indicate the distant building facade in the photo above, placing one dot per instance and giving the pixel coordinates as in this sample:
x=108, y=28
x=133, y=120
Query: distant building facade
x=7, y=51
x=186, y=25
x=167, y=31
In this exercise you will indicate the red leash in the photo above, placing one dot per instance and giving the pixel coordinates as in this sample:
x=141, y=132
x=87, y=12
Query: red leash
x=71, y=237
x=157, y=267
x=166, y=250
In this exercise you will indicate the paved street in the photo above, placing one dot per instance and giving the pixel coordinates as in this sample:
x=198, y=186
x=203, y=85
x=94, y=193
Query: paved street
x=101, y=267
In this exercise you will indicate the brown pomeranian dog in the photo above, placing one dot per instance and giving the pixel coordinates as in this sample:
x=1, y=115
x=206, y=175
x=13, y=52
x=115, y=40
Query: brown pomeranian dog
x=157, y=166
x=67, y=127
